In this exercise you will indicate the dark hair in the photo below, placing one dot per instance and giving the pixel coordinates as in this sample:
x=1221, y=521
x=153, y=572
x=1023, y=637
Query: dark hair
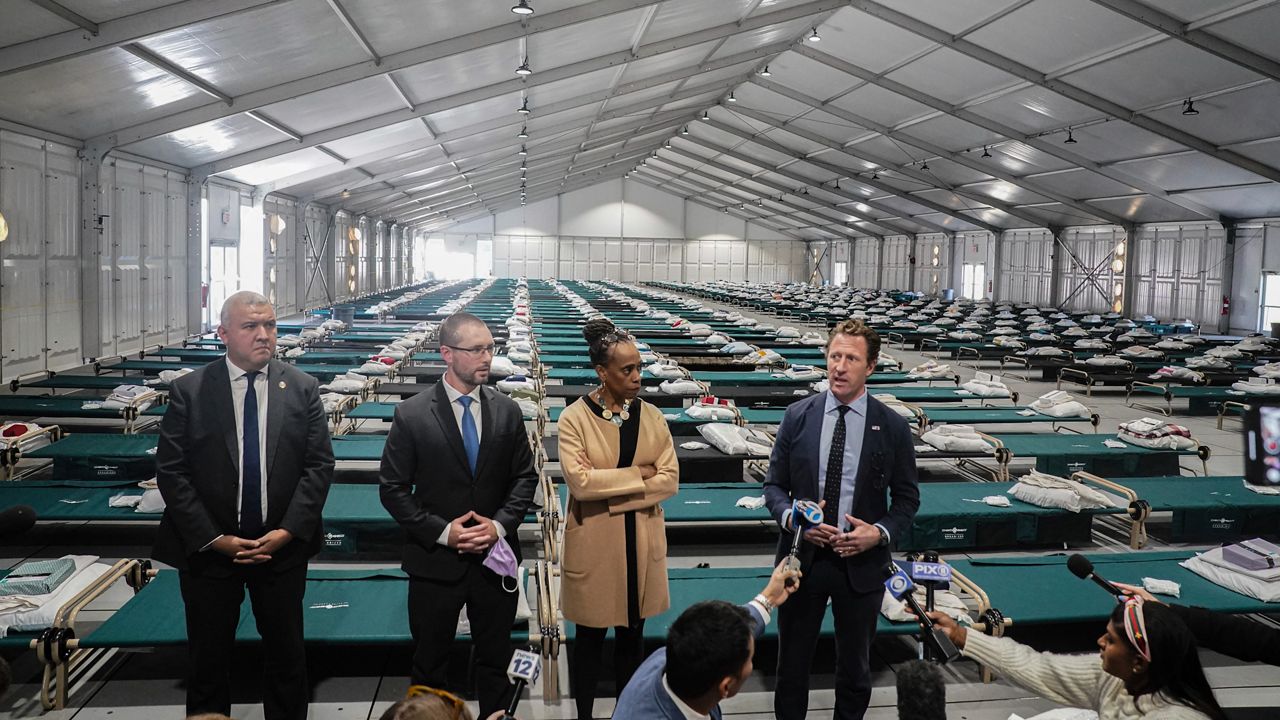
x=707, y=643
x=453, y=325
x=922, y=694
x=1174, y=670
x=856, y=328
x=601, y=335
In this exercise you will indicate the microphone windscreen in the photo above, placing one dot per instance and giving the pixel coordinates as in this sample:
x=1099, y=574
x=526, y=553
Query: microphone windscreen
x=1080, y=566
x=17, y=519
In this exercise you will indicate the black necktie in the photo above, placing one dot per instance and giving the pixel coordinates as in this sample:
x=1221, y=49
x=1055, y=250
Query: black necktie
x=251, y=465
x=835, y=472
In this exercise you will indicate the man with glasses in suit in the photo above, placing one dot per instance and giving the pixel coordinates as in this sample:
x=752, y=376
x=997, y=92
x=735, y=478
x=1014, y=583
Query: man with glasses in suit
x=457, y=474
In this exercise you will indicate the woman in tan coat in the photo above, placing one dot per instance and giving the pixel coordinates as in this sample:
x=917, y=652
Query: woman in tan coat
x=620, y=465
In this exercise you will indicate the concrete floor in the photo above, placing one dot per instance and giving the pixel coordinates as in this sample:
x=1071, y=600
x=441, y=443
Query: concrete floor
x=360, y=684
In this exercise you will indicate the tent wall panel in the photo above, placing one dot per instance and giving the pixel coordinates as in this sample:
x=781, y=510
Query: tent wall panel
x=896, y=258
x=866, y=262
x=1090, y=269
x=1026, y=267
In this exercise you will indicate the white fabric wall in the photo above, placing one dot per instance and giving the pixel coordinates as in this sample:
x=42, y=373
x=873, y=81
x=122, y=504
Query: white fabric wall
x=1026, y=268
x=1094, y=250
x=1257, y=250
x=281, y=255
x=895, y=255
x=1180, y=273
x=40, y=262
x=319, y=284
x=866, y=262
x=932, y=278
x=630, y=232
x=143, y=291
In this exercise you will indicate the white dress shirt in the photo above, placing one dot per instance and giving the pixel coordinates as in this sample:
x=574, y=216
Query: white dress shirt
x=456, y=406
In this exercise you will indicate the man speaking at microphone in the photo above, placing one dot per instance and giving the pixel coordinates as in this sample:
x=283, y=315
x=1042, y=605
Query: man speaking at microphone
x=847, y=451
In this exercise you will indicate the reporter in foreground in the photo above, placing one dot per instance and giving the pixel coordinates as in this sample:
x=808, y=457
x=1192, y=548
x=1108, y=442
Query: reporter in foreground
x=1149, y=666
x=707, y=657
x=1231, y=635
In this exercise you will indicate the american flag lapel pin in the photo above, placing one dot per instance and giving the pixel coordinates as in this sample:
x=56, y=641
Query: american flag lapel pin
x=875, y=427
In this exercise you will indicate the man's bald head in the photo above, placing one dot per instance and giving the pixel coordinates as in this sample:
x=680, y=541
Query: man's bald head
x=243, y=298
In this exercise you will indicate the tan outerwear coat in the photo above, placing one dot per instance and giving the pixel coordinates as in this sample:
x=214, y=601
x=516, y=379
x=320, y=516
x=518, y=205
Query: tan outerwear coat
x=594, y=584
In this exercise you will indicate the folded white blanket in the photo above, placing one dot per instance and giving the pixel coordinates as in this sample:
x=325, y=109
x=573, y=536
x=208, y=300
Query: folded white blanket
x=1106, y=361
x=1060, y=404
x=680, y=387
x=987, y=385
x=956, y=438
x=352, y=382
x=666, y=370
x=1045, y=490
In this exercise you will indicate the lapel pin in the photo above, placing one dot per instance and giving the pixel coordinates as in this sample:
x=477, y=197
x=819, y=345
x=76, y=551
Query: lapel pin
x=282, y=387
x=873, y=427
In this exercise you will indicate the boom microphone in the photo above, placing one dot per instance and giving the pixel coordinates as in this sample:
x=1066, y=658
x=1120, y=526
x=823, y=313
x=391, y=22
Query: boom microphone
x=16, y=520
x=1080, y=566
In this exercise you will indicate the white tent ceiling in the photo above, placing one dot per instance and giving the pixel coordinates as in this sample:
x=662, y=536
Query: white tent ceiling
x=907, y=116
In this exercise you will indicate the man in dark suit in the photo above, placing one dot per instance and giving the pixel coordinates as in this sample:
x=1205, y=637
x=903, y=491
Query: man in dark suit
x=457, y=474
x=845, y=450
x=244, y=464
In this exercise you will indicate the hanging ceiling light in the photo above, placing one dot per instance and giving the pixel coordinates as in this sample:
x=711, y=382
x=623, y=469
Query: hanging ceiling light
x=524, y=108
x=813, y=36
x=524, y=132
x=522, y=8
x=523, y=150
x=765, y=72
x=985, y=152
x=924, y=165
x=524, y=68
x=1071, y=138
x=705, y=115
x=685, y=130
x=875, y=174
x=1189, y=107
x=731, y=98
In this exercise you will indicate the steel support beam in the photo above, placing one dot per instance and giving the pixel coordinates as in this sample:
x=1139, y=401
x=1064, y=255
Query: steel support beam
x=1229, y=273
x=544, y=112
x=1208, y=42
x=1050, y=148
x=888, y=227
x=913, y=174
x=889, y=224
x=964, y=160
x=858, y=178
x=69, y=15
x=1067, y=90
x=121, y=31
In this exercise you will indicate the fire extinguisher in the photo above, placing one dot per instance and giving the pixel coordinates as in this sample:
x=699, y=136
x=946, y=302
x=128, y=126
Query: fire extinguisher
x=1226, y=306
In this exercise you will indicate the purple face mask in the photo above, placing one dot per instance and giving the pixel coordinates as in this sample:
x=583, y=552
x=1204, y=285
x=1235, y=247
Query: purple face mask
x=502, y=561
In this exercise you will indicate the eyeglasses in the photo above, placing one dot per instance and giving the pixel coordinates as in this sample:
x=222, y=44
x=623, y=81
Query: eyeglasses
x=454, y=700
x=475, y=351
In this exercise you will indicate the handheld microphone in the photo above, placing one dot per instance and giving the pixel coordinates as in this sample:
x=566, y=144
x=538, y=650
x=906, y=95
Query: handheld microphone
x=522, y=671
x=17, y=520
x=934, y=637
x=1080, y=566
x=804, y=514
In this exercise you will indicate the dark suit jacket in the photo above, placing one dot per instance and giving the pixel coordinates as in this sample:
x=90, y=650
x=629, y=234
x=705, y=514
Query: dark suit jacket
x=644, y=698
x=198, y=467
x=887, y=467
x=426, y=481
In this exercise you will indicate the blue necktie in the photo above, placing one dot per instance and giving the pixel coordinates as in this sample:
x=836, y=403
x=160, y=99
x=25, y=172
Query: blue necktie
x=470, y=438
x=251, y=465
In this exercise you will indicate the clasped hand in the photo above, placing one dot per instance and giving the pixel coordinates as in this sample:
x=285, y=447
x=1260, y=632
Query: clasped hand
x=475, y=538
x=862, y=537
x=247, y=551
